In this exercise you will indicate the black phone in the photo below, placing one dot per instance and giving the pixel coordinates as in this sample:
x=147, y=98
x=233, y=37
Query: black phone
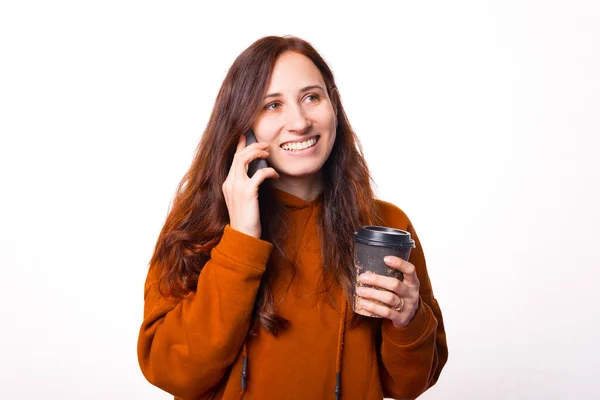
x=257, y=163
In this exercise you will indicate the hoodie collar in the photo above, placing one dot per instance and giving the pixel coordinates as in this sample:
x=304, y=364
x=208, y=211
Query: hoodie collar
x=293, y=201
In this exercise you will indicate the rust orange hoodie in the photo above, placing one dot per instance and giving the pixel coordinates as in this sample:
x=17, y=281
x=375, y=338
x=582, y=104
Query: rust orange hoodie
x=198, y=347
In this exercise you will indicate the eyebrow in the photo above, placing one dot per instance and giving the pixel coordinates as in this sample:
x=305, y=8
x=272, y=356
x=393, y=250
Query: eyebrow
x=304, y=89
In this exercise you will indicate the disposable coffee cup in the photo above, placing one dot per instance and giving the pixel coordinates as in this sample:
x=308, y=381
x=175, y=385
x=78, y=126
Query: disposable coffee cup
x=371, y=245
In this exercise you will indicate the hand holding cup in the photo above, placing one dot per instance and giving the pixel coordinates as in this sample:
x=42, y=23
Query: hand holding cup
x=386, y=283
x=399, y=300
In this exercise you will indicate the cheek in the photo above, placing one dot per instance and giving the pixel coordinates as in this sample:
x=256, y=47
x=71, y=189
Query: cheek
x=327, y=118
x=331, y=144
x=331, y=123
x=264, y=133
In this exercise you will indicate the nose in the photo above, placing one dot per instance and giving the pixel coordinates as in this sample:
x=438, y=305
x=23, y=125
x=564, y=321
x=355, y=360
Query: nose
x=298, y=121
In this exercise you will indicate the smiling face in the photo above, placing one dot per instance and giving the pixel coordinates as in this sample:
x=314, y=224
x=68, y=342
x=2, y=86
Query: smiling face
x=297, y=120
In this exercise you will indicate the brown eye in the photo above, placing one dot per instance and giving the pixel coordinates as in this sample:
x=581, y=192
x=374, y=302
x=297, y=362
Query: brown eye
x=316, y=97
x=268, y=107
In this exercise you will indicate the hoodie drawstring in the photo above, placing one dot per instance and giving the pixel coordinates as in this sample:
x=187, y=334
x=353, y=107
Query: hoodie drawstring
x=244, y=368
x=338, y=358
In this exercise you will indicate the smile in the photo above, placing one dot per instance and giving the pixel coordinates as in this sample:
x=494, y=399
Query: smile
x=300, y=146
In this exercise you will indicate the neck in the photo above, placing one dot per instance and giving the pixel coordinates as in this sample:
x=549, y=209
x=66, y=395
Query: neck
x=305, y=187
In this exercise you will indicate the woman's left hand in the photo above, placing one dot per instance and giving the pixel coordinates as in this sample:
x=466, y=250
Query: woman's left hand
x=401, y=297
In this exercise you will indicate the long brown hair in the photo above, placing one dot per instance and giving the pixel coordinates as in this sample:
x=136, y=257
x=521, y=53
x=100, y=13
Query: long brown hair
x=199, y=213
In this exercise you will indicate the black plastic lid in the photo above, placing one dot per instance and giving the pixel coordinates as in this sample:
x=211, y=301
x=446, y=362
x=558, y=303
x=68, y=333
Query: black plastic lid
x=384, y=236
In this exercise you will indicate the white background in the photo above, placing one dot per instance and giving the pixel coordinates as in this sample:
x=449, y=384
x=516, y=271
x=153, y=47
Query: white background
x=480, y=119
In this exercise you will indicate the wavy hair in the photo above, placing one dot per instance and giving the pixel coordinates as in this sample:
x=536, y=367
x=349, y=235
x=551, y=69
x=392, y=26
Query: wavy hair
x=198, y=212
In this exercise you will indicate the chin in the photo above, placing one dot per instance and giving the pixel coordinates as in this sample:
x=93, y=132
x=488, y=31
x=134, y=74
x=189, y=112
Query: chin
x=299, y=172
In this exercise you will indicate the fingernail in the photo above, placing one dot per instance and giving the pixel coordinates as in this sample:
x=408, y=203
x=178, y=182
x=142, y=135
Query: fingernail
x=364, y=277
x=360, y=291
x=387, y=259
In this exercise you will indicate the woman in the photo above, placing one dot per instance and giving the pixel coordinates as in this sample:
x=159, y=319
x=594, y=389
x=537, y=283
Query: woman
x=251, y=279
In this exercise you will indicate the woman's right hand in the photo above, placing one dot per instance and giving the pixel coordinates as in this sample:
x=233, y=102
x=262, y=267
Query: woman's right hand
x=241, y=192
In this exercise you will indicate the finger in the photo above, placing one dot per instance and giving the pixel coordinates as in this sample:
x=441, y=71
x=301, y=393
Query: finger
x=383, y=296
x=378, y=309
x=242, y=159
x=409, y=270
x=385, y=282
x=239, y=148
x=241, y=143
x=262, y=174
x=242, y=152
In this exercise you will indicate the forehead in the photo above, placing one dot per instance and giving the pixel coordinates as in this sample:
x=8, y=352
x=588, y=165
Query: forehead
x=293, y=71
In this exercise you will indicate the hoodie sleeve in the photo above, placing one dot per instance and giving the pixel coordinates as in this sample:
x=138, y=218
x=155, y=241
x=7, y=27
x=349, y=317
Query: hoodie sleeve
x=185, y=346
x=412, y=357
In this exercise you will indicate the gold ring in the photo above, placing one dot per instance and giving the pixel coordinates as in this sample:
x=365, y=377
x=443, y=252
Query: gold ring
x=401, y=306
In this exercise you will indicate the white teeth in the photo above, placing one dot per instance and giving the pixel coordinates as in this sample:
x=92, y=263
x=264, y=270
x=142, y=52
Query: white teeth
x=299, y=145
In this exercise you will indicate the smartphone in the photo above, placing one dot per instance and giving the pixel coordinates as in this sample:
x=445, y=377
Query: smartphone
x=257, y=163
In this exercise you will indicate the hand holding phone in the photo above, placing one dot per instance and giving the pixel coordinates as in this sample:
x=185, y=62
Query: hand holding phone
x=240, y=189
